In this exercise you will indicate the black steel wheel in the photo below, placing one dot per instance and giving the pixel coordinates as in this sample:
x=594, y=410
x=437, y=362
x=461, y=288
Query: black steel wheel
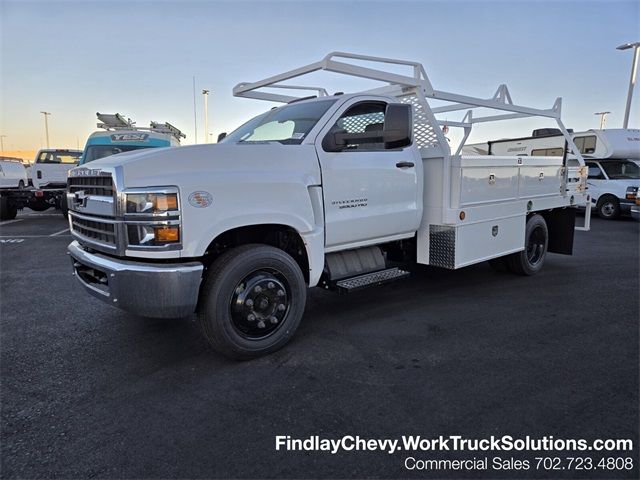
x=608, y=207
x=260, y=304
x=252, y=301
x=531, y=259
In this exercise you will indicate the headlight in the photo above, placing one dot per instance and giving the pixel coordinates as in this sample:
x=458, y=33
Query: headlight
x=152, y=202
x=152, y=218
x=631, y=193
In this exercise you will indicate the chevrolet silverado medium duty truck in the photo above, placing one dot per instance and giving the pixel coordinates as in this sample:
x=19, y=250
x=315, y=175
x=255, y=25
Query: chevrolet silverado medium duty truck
x=338, y=191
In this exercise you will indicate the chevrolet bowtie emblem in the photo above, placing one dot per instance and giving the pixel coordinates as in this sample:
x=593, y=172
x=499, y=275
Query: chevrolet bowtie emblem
x=80, y=199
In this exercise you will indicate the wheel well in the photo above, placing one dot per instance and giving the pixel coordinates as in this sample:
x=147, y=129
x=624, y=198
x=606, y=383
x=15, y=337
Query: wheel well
x=280, y=236
x=606, y=196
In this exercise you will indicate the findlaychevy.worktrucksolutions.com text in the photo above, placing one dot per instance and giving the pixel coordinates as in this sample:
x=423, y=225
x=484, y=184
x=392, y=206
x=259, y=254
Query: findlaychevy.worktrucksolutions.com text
x=456, y=443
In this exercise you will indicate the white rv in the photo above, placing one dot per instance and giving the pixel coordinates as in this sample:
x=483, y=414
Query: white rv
x=612, y=156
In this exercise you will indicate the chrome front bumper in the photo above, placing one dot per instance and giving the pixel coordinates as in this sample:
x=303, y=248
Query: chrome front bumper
x=147, y=289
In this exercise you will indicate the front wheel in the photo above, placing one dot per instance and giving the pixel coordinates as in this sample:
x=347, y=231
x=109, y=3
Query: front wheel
x=253, y=301
x=530, y=260
x=608, y=207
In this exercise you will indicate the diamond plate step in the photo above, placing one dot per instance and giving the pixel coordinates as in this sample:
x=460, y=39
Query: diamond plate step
x=370, y=279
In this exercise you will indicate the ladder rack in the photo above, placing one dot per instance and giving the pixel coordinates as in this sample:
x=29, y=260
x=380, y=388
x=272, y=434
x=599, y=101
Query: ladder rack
x=115, y=121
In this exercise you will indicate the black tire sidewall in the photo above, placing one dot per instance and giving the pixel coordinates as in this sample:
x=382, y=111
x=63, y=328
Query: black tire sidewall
x=219, y=289
x=519, y=262
x=614, y=201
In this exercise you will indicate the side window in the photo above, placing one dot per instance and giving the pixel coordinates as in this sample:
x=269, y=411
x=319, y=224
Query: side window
x=594, y=171
x=547, y=152
x=362, y=118
x=586, y=144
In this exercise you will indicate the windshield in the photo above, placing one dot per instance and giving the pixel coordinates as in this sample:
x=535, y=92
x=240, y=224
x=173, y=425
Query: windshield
x=621, y=169
x=287, y=125
x=94, y=152
x=58, y=156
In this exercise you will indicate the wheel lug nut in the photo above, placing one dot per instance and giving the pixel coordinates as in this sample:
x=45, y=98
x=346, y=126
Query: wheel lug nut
x=271, y=285
x=281, y=293
x=258, y=289
x=281, y=308
x=260, y=324
x=249, y=303
x=273, y=320
x=251, y=317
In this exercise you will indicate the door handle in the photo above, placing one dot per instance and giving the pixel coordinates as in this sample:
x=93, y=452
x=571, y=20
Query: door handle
x=405, y=164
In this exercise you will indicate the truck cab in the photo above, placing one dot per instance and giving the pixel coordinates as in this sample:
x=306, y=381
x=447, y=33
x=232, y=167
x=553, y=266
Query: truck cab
x=51, y=166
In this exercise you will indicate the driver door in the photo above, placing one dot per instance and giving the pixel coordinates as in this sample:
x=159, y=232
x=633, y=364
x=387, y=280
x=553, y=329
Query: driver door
x=371, y=194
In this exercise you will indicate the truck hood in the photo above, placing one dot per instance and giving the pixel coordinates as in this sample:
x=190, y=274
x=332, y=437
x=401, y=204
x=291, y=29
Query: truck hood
x=181, y=165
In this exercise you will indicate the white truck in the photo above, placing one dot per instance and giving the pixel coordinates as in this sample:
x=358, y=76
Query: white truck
x=612, y=156
x=52, y=165
x=337, y=191
x=49, y=178
x=13, y=173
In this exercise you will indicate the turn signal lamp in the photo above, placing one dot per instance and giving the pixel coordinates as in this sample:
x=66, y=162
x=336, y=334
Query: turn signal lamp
x=167, y=234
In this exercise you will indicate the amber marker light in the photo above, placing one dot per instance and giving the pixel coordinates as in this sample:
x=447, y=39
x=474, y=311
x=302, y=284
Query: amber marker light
x=167, y=234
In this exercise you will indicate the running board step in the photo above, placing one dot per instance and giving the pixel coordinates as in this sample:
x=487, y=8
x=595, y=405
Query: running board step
x=370, y=279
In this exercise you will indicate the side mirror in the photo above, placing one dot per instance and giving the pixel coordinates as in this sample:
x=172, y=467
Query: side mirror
x=221, y=136
x=397, y=126
x=334, y=141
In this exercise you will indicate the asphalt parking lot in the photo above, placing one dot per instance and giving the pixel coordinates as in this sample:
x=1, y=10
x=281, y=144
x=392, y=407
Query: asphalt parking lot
x=91, y=391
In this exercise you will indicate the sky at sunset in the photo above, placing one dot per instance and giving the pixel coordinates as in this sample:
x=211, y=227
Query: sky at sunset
x=138, y=58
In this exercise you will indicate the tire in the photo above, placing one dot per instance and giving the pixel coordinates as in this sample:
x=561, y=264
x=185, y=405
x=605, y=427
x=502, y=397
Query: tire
x=608, y=207
x=499, y=264
x=531, y=259
x=38, y=206
x=257, y=281
x=7, y=210
x=64, y=208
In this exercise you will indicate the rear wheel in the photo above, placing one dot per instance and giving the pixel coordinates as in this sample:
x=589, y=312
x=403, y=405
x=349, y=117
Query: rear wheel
x=8, y=211
x=253, y=301
x=608, y=207
x=531, y=259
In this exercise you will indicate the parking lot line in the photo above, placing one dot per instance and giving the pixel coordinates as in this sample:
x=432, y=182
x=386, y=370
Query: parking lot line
x=58, y=233
x=31, y=236
x=7, y=222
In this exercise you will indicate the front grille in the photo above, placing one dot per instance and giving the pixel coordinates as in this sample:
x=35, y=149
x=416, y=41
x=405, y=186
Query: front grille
x=102, y=232
x=98, y=185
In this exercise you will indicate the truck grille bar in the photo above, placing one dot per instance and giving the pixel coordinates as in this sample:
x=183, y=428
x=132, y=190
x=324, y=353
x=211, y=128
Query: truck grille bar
x=94, y=230
x=98, y=185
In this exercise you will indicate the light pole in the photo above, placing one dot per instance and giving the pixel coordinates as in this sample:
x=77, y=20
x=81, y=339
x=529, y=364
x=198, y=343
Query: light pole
x=632, y=80
x=46, y=126
x=2, y=143
x=603, y=118
x=206, y=115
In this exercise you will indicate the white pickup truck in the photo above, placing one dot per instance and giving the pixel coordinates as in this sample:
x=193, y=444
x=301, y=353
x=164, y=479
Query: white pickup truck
x=338, y=191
